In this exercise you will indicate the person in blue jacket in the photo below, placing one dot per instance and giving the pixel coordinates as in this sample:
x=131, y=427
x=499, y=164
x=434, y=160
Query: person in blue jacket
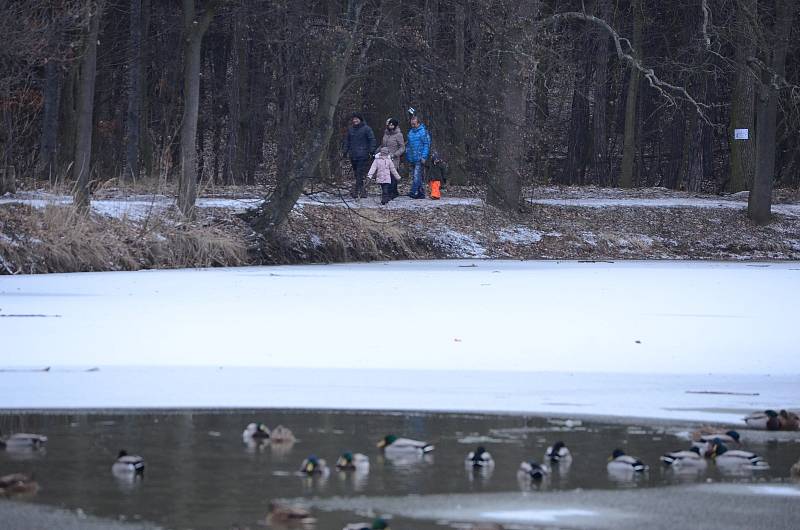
x=418, y=149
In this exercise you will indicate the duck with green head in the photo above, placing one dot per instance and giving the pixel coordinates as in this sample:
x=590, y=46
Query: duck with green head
x=736, y=458
x=313, y=466
x=353, y=462
x=391, y=443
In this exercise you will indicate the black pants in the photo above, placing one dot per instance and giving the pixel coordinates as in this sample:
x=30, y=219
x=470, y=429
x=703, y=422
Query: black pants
x=386, y=192
x=360, y=169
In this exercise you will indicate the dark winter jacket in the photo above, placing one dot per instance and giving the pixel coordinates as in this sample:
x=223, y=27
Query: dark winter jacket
x=418, y=146
x=360, y=143
x=438, y=171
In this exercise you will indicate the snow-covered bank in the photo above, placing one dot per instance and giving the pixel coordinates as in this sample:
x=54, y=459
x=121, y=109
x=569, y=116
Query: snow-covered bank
x=480, y=331
x=698, y=398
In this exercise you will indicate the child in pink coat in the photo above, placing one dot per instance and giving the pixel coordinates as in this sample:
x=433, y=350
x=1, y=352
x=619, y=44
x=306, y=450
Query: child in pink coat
x=384, y=168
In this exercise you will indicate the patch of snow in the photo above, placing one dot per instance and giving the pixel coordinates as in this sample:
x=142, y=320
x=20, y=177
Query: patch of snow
x=459, y=245
x=537, y=516
x=589, y=238
x=519, y=235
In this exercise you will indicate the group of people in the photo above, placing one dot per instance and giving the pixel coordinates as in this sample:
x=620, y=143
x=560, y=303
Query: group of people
x=383, y=164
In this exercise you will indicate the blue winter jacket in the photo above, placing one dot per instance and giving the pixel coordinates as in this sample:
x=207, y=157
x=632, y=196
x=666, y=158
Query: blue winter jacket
x=419, y=144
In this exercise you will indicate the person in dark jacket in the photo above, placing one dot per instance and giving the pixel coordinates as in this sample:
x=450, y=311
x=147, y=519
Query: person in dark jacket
x=437, y=175
x=359, y=145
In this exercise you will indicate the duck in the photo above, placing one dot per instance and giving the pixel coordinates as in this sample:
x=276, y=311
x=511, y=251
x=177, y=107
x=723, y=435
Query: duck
x=532, y=470
x=693, y=457
x=390, y=442
x=767, y=419
x=313, y=466
x=18, y=484
x=379, y=523
x=22, y=440
x=789, y=421
x=128, y=465
x=558, y=452
x=735, y=457
x=479, y=458
x=708, y=435
x=619, y=461
x=353, y=462
x=255, y=432
x=281, y=434
x=285, y=513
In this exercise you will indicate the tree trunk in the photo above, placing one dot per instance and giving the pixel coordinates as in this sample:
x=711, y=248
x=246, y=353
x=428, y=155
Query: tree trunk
x=743, y=152
x=193, y=35
x=600, y=166
x=134, y=114
x=629, y=145
x=85, y=113
x=504, y=188
x=760, y=200
x=8, y=180
x=578, y=136
x=47, y=165
x=290, y=186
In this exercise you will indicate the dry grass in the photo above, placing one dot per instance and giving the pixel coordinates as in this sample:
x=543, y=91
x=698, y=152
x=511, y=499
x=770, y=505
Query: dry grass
x=58, y=239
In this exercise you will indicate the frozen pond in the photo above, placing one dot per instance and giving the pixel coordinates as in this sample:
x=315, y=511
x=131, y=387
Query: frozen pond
x=200, y=474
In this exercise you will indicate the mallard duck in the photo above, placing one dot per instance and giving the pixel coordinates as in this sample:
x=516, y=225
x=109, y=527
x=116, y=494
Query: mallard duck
x=692, y=457
x=532, y=470
x=18, y=484
x=22, y=440
x=558, y=452
x=735, y=457
x=706, y=436
x=789, y=421
x=284, y=513
x=767, y=419
x=128, y=465
x=282, y=435
x=353, y=462
x=619, y=461
x=378, y=523
x=479, y=458
x=255, y=432
x=392, y=443
x=313, y=466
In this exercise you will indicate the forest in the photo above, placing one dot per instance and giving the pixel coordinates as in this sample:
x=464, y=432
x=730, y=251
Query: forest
x=696, y=95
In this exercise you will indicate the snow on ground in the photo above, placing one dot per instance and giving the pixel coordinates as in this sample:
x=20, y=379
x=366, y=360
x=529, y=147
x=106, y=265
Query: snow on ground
x=695, y=340
x=140, y=206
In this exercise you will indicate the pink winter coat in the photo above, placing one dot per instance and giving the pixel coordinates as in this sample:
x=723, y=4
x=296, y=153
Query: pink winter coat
x=384, y=167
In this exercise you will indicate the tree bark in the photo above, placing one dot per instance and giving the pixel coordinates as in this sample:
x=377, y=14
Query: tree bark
x=85, y=113
x=134, y=113
x=194, y=30
x=743, y=152
x=504, y=188
x=47, y=165
x=600, y=166
x=760, y=201
x=629, y=144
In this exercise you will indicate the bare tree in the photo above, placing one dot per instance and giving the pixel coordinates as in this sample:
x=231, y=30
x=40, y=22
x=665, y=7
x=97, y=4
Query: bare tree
x=194, y=28
x=85, y=114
